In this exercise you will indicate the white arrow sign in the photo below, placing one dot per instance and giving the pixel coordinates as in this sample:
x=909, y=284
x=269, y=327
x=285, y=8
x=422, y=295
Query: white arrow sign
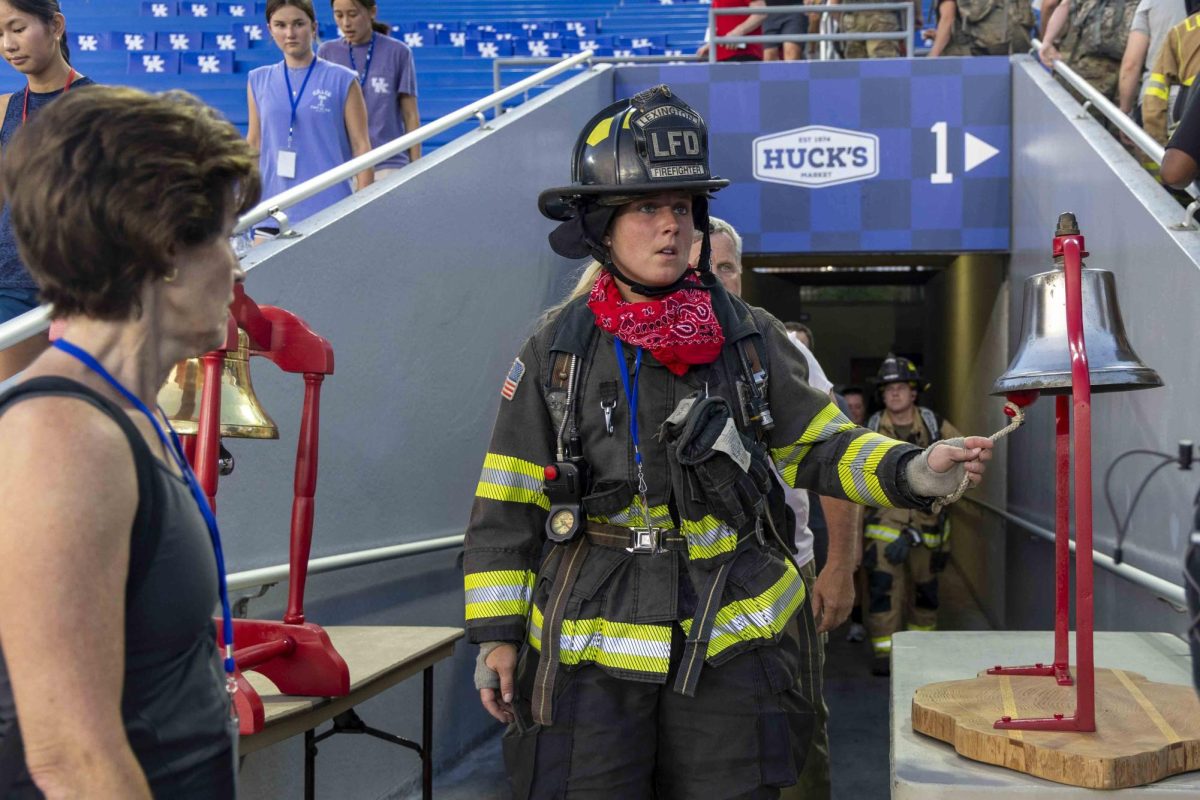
x=977, y=151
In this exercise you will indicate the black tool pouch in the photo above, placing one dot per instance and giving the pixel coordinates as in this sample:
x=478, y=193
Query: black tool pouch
x=725, y=466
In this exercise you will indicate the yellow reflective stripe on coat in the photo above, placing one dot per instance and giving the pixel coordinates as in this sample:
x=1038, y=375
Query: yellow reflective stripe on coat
x=827, y=423
x=857, y=469
x=618, y=645
x=882, y=533
x=708, y=537
x=631, y=516
x=912, y=626
x=512, y=480
x=503, y=593
x=882, y=644
x=932, y=540
x=755, y=618
x=1154, y=91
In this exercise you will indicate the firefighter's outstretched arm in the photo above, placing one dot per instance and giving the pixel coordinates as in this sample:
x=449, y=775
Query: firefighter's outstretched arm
x=815, y=446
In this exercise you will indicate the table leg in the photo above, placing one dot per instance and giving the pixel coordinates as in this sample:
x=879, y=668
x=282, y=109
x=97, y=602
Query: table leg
x=427, y=736
x=310, y=766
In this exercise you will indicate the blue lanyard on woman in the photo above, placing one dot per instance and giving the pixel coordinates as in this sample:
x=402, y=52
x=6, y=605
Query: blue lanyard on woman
x=295, y=99
x=362, y=79
x=631, y=395
x=176, y=450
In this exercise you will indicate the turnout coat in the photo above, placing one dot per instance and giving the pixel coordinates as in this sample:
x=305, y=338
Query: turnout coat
x=622, y=606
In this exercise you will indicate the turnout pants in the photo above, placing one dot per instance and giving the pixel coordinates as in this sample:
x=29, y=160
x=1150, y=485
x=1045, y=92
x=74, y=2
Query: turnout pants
x=746, y=733
x=814, y=782
x=902, y=596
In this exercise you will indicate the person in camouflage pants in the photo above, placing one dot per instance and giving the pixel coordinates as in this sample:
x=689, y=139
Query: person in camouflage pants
x=871, y=22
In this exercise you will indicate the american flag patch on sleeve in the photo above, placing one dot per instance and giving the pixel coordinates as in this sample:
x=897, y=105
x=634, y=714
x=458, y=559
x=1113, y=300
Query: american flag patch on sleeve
x=513, y=379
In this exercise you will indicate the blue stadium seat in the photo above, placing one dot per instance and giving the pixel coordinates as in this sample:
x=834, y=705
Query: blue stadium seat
x=208, y=47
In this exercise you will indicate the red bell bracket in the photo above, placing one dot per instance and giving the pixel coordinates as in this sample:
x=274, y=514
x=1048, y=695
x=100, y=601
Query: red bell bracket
x=298, y=659
x=1078, y=404
x=1059, y=668
x=296, y=656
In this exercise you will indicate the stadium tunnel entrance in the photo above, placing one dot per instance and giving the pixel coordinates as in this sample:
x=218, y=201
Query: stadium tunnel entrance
x=935, y=309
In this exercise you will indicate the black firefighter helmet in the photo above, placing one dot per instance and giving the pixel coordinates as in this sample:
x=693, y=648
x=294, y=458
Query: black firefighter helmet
x=650, y=143
x=898, y=369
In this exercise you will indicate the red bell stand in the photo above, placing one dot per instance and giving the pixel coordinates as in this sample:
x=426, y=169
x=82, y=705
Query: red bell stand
x=1078, y=404
x=296, y=656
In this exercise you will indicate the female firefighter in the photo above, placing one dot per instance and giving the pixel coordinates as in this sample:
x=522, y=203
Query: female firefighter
x=642, y=627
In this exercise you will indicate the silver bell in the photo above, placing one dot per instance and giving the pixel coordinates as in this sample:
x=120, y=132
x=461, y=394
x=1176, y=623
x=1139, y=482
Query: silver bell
x=1043, y=360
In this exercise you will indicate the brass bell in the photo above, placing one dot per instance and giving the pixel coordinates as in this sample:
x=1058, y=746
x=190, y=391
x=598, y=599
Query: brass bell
x=242, y=416
x=1043, y=361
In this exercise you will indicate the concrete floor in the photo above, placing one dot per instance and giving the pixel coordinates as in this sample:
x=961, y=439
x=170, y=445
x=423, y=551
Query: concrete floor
x=858, y=722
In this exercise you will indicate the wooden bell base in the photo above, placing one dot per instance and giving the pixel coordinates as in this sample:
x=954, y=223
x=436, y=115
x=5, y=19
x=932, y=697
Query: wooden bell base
x=1144, y=731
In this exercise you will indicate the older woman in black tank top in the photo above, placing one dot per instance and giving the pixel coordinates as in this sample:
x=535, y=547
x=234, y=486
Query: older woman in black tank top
x=123, y=204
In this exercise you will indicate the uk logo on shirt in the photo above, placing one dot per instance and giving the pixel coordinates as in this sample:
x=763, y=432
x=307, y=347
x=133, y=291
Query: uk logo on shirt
x=379, y=85
x=322, y=96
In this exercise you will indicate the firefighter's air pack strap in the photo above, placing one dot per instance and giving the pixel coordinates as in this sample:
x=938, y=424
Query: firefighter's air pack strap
x=696, y=647
x=569, y=565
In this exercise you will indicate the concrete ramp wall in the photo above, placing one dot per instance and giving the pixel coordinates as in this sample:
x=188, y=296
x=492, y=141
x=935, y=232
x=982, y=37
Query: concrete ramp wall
x=426, y=287
x=1064, y=161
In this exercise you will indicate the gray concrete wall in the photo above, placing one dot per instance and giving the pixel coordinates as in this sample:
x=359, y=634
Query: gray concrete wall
x=426, y=287
x=1064, y=161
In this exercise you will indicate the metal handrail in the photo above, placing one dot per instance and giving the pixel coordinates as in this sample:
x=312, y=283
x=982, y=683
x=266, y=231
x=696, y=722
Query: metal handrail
x=840, y=8
x=1144, y=141
x=37, y=320
x=31, y=323
x=516, y=61
x=348, y=170
x=1164, y=589
x=269, y=576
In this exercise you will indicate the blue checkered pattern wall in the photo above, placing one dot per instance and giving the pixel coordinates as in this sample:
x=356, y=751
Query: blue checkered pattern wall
x=910, y=204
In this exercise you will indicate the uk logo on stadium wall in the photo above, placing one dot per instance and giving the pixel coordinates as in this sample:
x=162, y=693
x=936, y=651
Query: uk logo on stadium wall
x=816, y=156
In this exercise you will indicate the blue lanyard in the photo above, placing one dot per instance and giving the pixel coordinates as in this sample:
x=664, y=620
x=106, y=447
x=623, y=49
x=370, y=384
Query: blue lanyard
x=295, y=99
x=176, y=449
x=362, y=79
x=631, y=395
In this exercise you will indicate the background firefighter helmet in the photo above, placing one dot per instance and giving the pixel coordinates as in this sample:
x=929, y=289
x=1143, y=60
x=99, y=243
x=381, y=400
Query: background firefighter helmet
x=652, y=142
x=897, y=369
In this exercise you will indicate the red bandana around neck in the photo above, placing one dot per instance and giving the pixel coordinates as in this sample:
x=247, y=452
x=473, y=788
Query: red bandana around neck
x=679, y=329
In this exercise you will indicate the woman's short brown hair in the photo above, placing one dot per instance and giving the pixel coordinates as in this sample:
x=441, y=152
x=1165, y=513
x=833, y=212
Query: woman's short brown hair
x=107, y=183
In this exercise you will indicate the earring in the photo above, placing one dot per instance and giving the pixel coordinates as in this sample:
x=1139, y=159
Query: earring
x=172, y=276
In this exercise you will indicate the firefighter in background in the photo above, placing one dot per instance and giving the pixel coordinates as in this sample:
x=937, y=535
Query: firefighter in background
x=1176, y=66
x=903, y=550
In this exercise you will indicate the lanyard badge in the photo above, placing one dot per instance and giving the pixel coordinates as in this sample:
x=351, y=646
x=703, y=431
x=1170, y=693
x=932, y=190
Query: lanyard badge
x=646, y=537
x=175, y=448
x=285, y=163
x=362, y=79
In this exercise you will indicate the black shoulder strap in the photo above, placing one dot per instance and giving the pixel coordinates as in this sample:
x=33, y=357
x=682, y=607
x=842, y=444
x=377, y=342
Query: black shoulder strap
x=142, y=548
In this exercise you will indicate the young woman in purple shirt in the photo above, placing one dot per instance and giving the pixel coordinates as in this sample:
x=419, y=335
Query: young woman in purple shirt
x=307, y=115
x=385, y=71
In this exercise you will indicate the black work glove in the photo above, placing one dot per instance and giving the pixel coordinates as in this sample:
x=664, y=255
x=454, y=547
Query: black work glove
x=897, y=552
x=938, y=561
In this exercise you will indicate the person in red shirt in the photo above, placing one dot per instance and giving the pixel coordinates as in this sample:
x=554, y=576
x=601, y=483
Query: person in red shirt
x=736, y=25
